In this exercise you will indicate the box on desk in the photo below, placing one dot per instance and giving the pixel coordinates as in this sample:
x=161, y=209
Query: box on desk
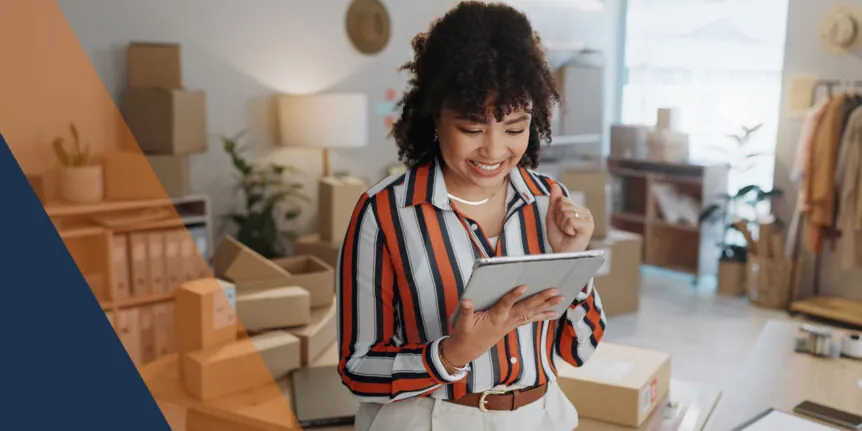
x=278, y=307
x=618, y=279
x=204, y=314
x=222, y=370
x=618, y=384
x=318, y=334
x=337, y=197
x=165, y=121
x=589, y=187
x=313, y=245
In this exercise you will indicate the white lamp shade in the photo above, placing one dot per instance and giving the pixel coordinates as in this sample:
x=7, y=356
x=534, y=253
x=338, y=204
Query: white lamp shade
x=324, y=120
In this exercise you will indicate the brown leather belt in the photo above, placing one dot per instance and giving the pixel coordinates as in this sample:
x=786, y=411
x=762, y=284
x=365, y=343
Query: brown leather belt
x=500, y=400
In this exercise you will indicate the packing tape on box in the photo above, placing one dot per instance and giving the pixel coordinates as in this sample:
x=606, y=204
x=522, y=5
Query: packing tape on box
x=852, y=346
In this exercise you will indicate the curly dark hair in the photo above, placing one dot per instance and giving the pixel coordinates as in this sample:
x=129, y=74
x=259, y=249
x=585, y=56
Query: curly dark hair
x=474, y=52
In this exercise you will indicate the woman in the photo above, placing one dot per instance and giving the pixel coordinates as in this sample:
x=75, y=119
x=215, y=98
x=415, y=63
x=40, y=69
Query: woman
x=470, y=130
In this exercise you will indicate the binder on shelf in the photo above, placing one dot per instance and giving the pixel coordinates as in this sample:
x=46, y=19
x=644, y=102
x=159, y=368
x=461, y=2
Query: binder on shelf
x=148, y=334
x=121, y=267
x=156, y=261
x=173, y=263
x=140, y=269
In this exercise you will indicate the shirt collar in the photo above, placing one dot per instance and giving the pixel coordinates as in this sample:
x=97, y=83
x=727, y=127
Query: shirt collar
x=424, y=184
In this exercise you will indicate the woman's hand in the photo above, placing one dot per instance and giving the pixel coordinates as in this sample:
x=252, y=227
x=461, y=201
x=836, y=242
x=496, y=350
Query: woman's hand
x=474, y=333
x=569, y=226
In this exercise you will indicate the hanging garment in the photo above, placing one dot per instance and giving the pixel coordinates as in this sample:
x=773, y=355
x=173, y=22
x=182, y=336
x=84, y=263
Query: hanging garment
x=798, y=173
x=820, y=181
x=850, y=193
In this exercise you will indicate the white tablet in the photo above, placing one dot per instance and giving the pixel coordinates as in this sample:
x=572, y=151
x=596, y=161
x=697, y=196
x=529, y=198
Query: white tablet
x=494, y=277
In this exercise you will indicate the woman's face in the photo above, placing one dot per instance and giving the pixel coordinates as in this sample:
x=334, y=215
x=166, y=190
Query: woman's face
x=482, y=154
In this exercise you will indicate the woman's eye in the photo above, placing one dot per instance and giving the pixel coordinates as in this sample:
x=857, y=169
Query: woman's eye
x=515, y=132
x=471, y=132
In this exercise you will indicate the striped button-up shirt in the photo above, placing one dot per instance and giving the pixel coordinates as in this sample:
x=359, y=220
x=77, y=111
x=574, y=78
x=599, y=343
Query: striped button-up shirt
x=405, y=260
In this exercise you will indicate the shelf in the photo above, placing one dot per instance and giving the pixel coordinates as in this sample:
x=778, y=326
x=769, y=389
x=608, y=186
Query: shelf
x=680, y=227
x=170, y=223
x=80, y=232
x=586, y=139
x=62, y=210
x=144, y=300
x=630, y=217
x=836, y=309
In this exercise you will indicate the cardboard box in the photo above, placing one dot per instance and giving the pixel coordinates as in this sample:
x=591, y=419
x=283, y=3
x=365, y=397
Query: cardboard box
x=329, y=357
x=312, y=245
x=280, y=351
x=172, y=172
x=204, y=314
x=618, y=279
x=128, y=176
x=250, y=271
x=629, y=141
x=319, y=334
x=618, y=384
x=311, y=274
x=590, y=188
x=235, y=262
x=280, y=307
x=337, y=197
x=154, y=65
x=223, y=370
x=166, y=121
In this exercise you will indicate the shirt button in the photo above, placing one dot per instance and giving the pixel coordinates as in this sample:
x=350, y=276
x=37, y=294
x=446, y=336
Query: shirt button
x=513, y=360
x=474, y=226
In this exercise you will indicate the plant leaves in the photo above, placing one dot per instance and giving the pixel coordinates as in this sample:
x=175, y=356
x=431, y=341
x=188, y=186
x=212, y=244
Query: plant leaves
x=60, y=151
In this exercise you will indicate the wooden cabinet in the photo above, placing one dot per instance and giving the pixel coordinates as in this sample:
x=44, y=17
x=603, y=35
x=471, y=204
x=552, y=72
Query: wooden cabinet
x=133, y=254
x=638, y=206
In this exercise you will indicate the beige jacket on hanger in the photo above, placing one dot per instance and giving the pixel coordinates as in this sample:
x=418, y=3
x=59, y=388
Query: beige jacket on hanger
x=820, y=182
x=849, y=187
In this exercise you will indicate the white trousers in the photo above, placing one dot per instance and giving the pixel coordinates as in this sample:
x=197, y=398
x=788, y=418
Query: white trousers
x=553, y=412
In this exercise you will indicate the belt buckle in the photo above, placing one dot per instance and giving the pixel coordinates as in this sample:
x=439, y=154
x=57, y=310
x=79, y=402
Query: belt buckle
x=483, y=401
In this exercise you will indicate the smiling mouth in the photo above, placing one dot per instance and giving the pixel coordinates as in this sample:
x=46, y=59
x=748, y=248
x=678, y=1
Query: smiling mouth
x=486, y=166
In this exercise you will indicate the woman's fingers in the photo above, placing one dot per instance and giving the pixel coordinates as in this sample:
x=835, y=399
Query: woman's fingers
x=534, y=306
x=506, y=302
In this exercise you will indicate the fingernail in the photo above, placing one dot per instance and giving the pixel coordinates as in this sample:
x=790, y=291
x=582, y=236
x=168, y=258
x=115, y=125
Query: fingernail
x=555, y=291
x=522, y=289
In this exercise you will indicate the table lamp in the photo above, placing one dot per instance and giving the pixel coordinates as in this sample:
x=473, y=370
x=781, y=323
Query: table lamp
x=326, y=121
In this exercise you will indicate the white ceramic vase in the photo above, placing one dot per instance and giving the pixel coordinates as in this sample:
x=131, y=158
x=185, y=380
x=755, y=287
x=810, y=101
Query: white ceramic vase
x=83, y=184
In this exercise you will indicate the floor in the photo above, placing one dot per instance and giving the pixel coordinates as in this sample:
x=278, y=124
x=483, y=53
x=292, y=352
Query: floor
x=707, y=336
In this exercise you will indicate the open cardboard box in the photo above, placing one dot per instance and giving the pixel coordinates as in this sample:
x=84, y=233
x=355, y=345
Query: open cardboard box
x=251, y=271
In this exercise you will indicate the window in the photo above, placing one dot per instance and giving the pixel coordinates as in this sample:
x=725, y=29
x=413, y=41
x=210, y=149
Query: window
x=718, y=62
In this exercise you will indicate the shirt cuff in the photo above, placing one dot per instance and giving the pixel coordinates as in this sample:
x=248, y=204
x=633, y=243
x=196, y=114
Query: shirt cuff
x=432, y=357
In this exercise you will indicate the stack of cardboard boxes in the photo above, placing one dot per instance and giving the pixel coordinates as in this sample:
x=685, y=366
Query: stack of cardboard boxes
x=337, y=197
x=618, y=280
x=280, y=312
x=167, y=123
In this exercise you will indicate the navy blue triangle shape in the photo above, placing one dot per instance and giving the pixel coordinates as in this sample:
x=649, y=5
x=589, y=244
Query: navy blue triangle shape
x=61, y=363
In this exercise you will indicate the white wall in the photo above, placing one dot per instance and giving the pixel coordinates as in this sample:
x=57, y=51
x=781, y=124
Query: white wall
x=241, y=53
x=804, y=55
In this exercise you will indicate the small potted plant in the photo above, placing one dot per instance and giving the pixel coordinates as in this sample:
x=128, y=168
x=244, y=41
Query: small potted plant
x=81, y=181
x=269, y=199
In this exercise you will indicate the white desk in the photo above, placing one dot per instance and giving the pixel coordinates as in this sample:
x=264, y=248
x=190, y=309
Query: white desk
x=774, y=375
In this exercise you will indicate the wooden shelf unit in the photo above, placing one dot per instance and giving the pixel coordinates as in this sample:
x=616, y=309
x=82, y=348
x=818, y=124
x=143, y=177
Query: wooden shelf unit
x=679, y=247
x=92, y=246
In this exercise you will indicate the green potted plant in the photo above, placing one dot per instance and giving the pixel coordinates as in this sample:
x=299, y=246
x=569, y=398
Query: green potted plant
x=742, y=205
x=81, y=181
x=269, y=200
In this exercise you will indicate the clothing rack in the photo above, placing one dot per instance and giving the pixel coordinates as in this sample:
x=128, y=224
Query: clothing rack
x=830, y=85
x=835, y=309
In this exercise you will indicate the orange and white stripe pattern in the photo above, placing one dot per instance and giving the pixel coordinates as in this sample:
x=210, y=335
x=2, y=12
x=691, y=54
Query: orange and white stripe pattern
x=405, y=260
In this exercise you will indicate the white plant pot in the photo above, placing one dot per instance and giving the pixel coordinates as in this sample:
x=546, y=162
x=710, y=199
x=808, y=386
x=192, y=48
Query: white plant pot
x=83, y=184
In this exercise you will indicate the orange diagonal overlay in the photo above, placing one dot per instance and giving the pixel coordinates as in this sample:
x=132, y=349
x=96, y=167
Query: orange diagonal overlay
x=177, y=325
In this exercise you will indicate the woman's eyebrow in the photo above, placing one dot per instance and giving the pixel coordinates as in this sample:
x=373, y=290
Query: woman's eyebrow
x=516, y=120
